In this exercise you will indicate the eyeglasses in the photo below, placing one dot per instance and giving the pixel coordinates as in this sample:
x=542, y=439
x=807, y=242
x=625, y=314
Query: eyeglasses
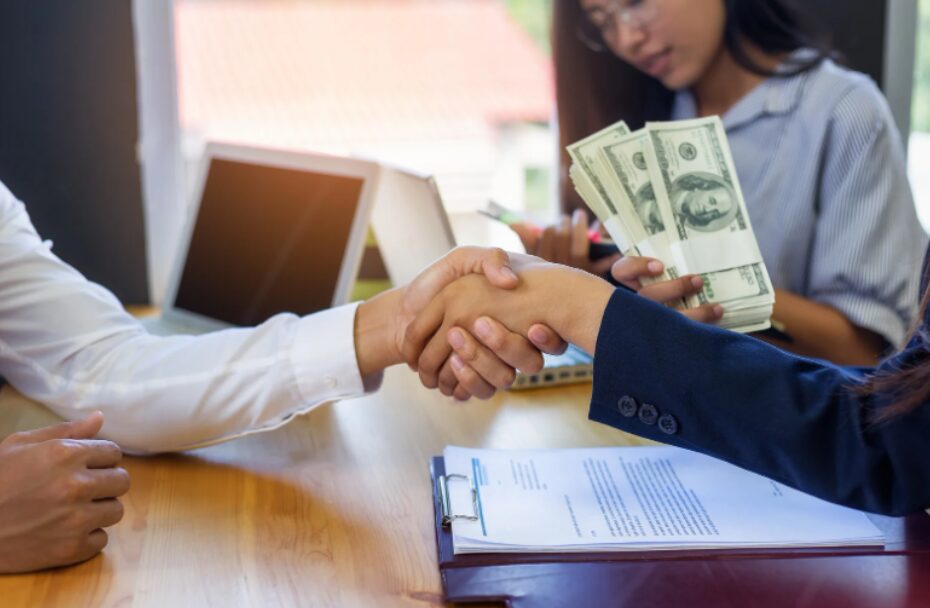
x=599, y=27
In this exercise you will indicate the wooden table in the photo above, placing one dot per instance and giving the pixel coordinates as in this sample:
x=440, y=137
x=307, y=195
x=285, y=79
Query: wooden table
x=334, y=509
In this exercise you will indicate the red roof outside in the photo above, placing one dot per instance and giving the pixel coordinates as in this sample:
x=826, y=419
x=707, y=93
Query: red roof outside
x=323, y=73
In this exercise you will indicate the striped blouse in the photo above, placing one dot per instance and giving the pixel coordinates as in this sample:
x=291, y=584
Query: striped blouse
x=822, y=167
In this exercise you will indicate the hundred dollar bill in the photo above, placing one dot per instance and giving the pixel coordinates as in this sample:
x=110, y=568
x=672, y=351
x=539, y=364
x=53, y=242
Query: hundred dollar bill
x=593, y=200
x=585, y=154
x=700, y=198
x=629, y=183
x=589, y=182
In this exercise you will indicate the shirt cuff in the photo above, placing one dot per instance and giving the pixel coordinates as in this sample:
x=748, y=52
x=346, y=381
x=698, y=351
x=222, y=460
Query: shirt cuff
x=324, y=360
x=869, y=314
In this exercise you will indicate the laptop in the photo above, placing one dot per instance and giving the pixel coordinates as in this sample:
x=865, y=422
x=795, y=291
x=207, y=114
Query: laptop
x=409, y=222
x=269, y=231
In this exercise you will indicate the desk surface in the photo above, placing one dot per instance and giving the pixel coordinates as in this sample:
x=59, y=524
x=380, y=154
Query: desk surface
x=334, y=509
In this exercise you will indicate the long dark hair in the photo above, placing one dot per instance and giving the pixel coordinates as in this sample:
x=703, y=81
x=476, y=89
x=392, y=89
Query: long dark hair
x=907, y=385
x=595, y=88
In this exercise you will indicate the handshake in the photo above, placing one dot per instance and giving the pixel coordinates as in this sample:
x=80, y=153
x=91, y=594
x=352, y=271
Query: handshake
x=475, y=317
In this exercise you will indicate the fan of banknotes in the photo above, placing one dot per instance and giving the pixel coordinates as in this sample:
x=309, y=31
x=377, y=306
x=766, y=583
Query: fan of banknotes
x=670, y=191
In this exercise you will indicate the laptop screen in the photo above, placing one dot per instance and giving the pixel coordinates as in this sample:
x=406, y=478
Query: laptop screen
x=266, y=240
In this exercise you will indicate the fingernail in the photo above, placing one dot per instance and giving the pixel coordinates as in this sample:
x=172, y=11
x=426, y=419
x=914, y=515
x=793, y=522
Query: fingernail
x=483, y=328
x=456, y=339
x=697, y=282
x=457, y=364
x=718, y=311
x=537, y=336
x=655, y=266
x=507, y=270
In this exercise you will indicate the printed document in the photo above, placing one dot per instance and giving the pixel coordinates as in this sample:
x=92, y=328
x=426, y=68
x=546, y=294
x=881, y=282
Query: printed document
x=633, y=498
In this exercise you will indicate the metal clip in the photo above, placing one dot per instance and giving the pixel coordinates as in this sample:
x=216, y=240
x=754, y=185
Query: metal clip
x=445, y=499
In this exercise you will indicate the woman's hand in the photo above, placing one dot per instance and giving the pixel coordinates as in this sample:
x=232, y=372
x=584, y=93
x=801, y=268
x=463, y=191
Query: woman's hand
x=565, y=242
x=631, y=271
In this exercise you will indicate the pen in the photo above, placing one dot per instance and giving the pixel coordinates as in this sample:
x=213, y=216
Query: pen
x=498, y=212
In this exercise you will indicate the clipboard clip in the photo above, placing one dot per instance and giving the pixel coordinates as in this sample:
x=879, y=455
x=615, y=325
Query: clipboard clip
x=445, y=499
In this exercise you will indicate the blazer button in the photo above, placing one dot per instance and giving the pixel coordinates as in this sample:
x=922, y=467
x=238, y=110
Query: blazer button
x=648, y=414
x=668, y=424
x=627, y=406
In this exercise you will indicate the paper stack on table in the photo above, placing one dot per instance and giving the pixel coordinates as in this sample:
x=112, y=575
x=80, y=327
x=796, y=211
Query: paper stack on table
x=633, y=499
x=670, y=191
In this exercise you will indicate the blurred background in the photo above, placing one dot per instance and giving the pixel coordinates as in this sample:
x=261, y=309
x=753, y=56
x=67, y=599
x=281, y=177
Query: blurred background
x=108, y=104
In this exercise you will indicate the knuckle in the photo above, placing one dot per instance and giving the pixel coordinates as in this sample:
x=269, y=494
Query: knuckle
x=534, y=365
x=118, y=512
x=484, y=393
x=507, y=377
x=428, y=380
x=114, y=450
x=124, y=481
x=63, y=450
x=496, y=340
x=73, y=489
x=78, y=521
x=70, y=549
x=104, y=540
x=468, y=352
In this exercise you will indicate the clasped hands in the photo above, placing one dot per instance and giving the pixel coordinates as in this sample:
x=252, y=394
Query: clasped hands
x=473, y=318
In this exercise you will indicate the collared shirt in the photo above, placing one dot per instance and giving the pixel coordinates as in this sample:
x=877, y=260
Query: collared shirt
x=69, y=344
x=822, y=168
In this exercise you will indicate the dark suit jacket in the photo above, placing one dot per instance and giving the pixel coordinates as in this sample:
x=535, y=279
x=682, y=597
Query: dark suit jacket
x=795, y=420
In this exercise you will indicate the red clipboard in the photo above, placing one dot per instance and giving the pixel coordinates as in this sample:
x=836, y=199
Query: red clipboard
x=897, y=575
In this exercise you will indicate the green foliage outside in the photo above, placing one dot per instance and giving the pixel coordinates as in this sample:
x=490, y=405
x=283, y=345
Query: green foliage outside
x=533, y=15
x=921, y=107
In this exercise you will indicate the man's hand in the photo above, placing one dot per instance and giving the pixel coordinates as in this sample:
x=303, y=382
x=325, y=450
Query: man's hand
x=381, y=324
x=58, y=490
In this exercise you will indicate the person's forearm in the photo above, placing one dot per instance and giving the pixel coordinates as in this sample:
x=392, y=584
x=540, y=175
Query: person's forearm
x=797, y=421
x=376, y=333
x=823, y=332
x=577, y=314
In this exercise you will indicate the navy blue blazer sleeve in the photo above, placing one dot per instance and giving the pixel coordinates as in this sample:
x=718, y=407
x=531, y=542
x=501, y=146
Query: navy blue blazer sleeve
x=795, y=420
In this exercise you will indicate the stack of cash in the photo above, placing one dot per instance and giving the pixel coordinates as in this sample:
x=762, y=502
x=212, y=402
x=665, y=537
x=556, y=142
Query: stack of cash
x=670, y=191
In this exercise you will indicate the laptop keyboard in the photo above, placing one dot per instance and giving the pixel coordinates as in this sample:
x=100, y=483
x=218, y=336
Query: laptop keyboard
x=571, y=367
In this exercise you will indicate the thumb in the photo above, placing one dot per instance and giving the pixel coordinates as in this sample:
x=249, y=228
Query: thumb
x=76, y=429
x=496, y=267
x=546, y=340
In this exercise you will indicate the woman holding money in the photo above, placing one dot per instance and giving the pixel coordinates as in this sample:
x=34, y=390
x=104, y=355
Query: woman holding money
x=816, y=151
x=851, y=435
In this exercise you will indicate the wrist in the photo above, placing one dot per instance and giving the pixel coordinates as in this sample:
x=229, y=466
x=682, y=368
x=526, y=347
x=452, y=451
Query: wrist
x=378, y=332
x=578, y=316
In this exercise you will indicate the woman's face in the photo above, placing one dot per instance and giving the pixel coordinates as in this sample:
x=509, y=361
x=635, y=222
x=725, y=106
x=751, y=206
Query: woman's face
x=674, y=41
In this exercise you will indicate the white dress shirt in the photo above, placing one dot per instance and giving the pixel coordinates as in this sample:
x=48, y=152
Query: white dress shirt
x=69, y=344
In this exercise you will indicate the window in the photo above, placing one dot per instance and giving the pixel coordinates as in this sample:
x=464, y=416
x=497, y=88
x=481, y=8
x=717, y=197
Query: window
x=459, y=89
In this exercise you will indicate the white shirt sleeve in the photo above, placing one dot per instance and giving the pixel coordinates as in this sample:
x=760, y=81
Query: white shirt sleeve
x=69, y=344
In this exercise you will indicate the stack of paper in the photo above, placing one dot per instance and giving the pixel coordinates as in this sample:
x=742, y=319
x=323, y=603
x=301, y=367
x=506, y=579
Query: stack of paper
x=634, y=499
